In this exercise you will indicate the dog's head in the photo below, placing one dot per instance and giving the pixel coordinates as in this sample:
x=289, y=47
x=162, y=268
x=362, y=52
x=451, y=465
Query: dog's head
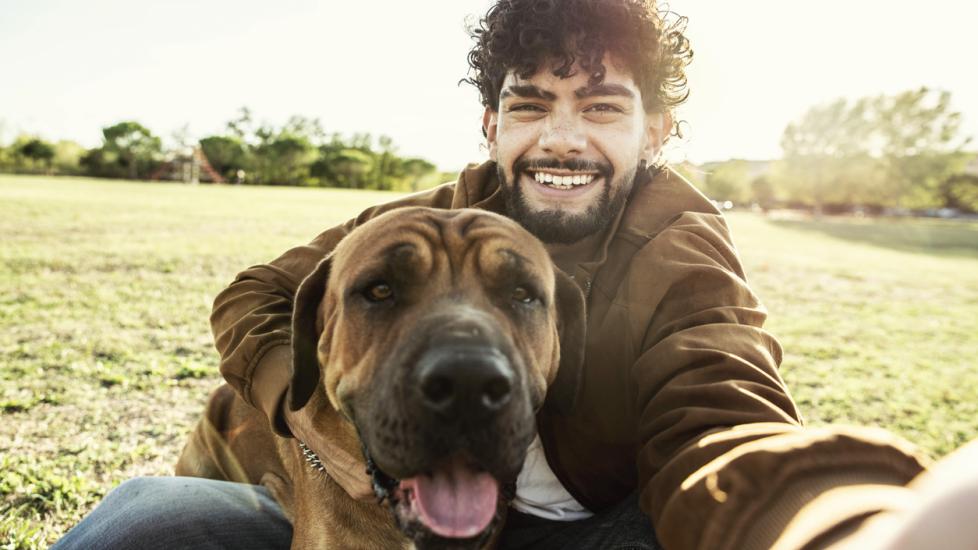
x=439, y=333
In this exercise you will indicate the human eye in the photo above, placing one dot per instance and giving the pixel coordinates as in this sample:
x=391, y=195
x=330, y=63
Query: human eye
x=604, y=108
x=526, y=108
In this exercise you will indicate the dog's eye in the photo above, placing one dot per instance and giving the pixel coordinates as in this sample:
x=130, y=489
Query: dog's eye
x=522, y=295
x=378, y=292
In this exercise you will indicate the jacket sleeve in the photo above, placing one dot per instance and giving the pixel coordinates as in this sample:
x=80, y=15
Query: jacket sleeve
x=251, y=318
x=724, y=462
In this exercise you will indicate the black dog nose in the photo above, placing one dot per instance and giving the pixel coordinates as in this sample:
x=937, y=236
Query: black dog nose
x=470, y=381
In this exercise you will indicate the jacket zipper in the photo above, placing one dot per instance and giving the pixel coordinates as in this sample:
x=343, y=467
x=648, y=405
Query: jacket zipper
x=587, y=286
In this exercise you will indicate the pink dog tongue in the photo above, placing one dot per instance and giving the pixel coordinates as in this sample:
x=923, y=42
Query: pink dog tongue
x=456, y=501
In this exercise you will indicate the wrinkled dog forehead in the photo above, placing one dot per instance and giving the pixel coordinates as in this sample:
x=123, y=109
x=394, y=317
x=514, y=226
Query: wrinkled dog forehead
x=411, y=241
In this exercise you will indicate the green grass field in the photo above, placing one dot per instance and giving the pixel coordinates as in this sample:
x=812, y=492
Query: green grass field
x=106, y=356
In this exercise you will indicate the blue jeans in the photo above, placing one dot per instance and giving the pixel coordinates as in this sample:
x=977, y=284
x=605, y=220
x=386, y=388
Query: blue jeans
x=183, y=512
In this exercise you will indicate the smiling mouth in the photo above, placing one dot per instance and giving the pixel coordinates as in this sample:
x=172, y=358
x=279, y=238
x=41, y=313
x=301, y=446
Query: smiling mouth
x=564, y=180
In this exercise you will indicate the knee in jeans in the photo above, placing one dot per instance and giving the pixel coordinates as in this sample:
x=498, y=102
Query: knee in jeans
x=136, y=485
x=148, y=488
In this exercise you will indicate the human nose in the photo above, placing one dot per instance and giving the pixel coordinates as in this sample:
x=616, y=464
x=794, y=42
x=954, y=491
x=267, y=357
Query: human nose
x=563, y=135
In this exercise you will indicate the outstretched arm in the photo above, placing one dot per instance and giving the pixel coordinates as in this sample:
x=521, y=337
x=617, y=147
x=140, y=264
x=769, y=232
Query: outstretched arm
x=724, y=462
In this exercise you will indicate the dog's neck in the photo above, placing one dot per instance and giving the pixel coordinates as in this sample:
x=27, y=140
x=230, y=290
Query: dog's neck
x=383, y=484
x=311, y=457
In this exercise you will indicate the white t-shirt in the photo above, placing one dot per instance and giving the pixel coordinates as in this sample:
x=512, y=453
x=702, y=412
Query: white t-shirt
x=540, y=493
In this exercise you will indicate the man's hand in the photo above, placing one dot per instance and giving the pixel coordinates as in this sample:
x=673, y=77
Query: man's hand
x=943, y=514
x=346, y=469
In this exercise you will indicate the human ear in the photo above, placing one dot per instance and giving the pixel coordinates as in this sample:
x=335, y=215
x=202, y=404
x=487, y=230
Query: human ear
x=657, y=127
x=489, y=121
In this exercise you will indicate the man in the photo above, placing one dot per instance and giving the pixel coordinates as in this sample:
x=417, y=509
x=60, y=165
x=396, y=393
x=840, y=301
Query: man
x=683, y=422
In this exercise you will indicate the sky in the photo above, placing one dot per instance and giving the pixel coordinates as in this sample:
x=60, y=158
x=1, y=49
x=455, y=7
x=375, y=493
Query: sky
x=391, y=67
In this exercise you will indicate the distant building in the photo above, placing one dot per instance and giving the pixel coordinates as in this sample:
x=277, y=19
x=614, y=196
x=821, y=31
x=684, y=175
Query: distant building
x=188, y=166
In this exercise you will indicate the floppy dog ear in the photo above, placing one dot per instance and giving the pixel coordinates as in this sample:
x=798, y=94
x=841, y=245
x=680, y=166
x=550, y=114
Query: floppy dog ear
x=571, y=322
x=305, y=335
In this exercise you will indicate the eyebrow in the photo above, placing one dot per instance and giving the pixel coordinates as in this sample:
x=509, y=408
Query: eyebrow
x=598, y=90
x=604, y=90
x=527, y=90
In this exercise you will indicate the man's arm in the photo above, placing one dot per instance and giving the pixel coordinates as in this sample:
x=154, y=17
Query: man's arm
x=724, y=461
x=251, y=321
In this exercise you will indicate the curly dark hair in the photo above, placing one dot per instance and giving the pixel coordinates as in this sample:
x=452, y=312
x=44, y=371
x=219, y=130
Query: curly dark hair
x=520, y=35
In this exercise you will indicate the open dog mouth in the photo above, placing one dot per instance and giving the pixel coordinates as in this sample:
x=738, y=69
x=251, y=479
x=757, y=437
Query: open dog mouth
x=454, y=500
x=455, y=505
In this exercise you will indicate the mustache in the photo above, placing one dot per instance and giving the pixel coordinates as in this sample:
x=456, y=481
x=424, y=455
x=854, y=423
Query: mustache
x=575, y=165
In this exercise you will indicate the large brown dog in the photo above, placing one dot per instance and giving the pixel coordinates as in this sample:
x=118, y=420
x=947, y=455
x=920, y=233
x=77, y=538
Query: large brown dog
x=428, y=340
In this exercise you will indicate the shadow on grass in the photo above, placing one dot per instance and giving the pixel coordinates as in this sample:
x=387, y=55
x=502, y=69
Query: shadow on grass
x=934, y=237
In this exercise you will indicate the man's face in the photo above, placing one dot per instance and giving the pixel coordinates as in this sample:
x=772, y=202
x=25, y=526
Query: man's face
x=568, y=152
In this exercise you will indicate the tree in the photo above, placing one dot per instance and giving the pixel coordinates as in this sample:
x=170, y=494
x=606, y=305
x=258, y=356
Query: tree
x=921, y=147
x=67, y=157
x=961, y=191
x=728, y=181
x=385, y=164
x=763, y=192
x=415, y=169
x=242, y=127
x=826, y=155
x=5, y=154
x=884, y=151
x=352, y=168
x=134, y=147
x=309, y=128
x=284, y=159
x=227, y=155
x=37, y=151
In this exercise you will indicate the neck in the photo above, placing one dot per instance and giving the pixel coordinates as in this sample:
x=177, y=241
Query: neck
x=568, y=256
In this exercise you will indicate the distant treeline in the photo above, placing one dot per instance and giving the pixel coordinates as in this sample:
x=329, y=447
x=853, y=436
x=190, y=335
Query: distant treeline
x=299, y=152
x=885, y=153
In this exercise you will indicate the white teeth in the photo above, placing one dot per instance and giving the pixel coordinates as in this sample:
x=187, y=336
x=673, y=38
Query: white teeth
x=563, y=182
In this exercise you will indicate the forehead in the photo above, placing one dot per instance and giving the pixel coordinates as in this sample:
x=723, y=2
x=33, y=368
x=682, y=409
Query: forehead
x=416, y=243
x=544, y=78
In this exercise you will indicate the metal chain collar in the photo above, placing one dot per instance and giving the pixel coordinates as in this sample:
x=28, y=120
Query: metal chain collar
x=382, y=483
x=311, y=457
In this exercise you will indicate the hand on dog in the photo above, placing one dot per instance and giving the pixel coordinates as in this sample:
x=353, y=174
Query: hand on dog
x=346, y=469
x=942, y=514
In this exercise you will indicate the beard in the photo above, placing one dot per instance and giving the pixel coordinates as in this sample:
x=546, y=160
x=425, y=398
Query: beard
x=555, y=226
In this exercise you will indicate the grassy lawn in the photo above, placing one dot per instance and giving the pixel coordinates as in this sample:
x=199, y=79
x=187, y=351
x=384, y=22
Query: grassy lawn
x=106, y=356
